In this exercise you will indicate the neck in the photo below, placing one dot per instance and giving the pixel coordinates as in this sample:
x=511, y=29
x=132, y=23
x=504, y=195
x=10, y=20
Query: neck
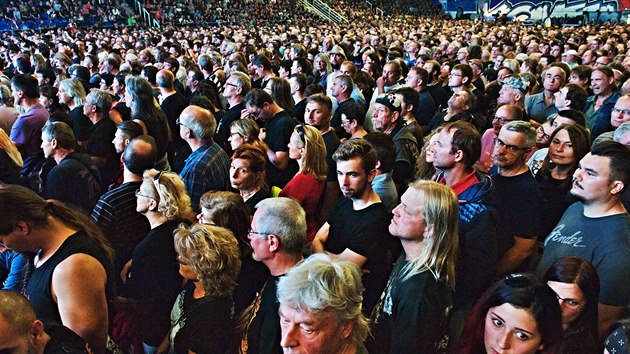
x=199, y=292
x=233, y=101
x=95, y=118
x=27, y=103
x=167, y=91
x=409, y=118
x=282, y=263
x=514, y=171
x=455, y=174
x=610, y=206
x=412, y=247
x=155, y=218
x=52, y=236
x=368, y=198
x=298, y=96
x=390, y=129
x=561, y=171
x=195, y=144
x=61, y=154
x=129, y=176
x=604, y=95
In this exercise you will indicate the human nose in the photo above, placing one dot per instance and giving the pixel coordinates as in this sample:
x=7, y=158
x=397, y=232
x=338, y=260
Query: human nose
x=504, y=340
x=289, y=336
x=200, y=218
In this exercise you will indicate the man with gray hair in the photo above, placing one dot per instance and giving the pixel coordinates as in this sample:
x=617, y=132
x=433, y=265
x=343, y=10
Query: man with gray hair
x=103, y=130
x=324, y=294
x=237, y=86
x=277, y=235
x=516, y=196
x=207, y=167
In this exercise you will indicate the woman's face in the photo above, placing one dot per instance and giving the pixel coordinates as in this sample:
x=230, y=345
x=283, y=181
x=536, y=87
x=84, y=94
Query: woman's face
x=571, y=298
x=63, y=95
x=561, y=149
x=511, y=330
x=296, y=147
x=320, y=64
x=45, y=101
x=236, y=140
x=205, y=217
x=241, y=176
x=185, y=270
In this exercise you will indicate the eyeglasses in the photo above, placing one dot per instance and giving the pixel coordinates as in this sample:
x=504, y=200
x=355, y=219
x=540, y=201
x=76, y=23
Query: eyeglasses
x=300, y=130
x=259, y=234
x=571, y=303
x=230, y=84
x=454, y=74
x=541, y=130
x=139, y=194
x=502, y=120
x=513, y=149
x=625, y=112
x=179, y=122
x=257, y=114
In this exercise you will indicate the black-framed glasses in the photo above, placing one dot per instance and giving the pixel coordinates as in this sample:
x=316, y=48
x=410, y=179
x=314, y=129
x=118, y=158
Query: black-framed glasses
x=513, y=149
x=571, y=303
x=139, y=194
x=230, y=84
x=502, y=120
x=179, y=122
x=257, y=113
x=300, y=130
x=626, y=112
x=250, y=231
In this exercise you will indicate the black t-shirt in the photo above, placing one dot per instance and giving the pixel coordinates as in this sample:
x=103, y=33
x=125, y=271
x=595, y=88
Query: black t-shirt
x=263, y=334
x=412, y=316
x=63, y=340
x=124, y=111
x=80, y=124
x=279, y=130
x=155, y=282
x=223, y=127
x=251, y=280
x=364, y=232
x=555, y=200
x=299, y=109
x=254, y=199
x=157, y=127
x=75, y=180
x=332, y=143
x=203, y=324
x=518, y=201
x=100, y=145
x=172, y=106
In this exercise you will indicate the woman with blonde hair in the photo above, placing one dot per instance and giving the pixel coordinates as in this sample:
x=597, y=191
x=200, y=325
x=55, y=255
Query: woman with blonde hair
x=307, y=186
x=10, y=161
x=321, y=68
x=244, y=131
x=152, y=277
x=209, y=261
x=72, y=94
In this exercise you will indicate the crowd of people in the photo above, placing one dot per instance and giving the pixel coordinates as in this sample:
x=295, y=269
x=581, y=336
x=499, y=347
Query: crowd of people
x=402, y=185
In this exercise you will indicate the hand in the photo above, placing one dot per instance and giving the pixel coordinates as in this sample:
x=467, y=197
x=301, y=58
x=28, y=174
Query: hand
x=262, y=135
x=126, y=272
x=245, y=114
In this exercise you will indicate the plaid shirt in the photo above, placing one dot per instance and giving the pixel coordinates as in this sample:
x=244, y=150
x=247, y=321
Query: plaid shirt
x=207, y=168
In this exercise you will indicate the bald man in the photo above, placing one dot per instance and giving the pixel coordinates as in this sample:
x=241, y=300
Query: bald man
x=207, y=167
x=21, y=332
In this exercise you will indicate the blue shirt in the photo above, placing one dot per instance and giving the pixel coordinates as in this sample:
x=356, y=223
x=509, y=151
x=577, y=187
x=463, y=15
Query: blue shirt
x=207, y=168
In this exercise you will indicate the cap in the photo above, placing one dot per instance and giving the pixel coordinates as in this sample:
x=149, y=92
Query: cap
x=337, y=50
x=515, y=83
x=390, y=101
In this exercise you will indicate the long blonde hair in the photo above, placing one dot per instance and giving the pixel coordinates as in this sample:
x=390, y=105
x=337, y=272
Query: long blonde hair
x=441, y=212
x=171, y=195
x=314, y=161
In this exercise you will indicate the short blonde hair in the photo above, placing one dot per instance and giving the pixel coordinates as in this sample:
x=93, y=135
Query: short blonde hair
x=171, y=195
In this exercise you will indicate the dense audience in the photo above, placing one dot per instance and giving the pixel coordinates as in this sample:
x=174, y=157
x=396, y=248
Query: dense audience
x=269, y=185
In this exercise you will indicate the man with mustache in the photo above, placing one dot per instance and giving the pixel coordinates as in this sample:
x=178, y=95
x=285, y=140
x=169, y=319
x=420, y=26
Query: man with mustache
x=597, y=228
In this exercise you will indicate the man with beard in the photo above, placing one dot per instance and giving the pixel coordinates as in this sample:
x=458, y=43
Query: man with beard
x=515, y=196
x=504, y=114
x=597, y=228
x=392, y=72
x=357, y=227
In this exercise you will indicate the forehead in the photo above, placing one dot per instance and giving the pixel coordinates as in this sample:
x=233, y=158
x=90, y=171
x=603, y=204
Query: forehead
x=511, y=137
x=600, y=164
x=315, y=106
x=351, y=165
x=623, y=102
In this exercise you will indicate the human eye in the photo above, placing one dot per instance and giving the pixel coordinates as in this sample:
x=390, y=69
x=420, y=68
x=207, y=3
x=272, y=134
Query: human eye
x=497, y=322
x=307, y=329
x=556, y=141
x=522, y=335
x=354, y=174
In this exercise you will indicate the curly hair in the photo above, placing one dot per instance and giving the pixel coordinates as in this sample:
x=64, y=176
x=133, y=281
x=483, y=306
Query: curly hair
x=171, y=195
x=212, y=253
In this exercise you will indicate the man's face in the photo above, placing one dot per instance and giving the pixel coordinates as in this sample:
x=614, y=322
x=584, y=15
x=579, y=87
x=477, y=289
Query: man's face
x=383, y=118
x=306, y=332
x=47, y=145
x=441, y=150
x=455, y=78
x=336, y=88
x=588, y=58
x=462, y=54
x=257, y=113
x=501, y=118
x=553, y=79
x=317, y=115
x=389, y=75
x=346, y=69
x=408, y=217
x=561, y=99
x=507, y=95
x=621, y=113
x=600, y=83
x=458, y=100
x=190, y=82
x=575, y=79
x=119, y=142
x=353, y=179
x=592, y=179
x=509, y=150
x=555, y=51
x=259, y=242
x=412, y=80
